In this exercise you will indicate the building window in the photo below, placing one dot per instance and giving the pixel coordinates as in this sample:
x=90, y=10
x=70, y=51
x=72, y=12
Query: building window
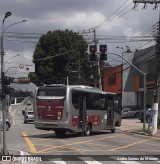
x=112, y=79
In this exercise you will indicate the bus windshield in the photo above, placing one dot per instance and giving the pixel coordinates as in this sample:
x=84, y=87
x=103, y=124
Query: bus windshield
x=51, y=93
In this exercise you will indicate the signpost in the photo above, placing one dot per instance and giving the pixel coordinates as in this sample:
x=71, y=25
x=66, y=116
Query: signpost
x=26, y=67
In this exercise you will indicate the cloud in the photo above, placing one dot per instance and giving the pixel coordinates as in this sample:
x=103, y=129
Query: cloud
x=76, y=15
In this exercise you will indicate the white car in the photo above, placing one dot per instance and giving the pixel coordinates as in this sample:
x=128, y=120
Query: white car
x=29, y=116
x=128, y=112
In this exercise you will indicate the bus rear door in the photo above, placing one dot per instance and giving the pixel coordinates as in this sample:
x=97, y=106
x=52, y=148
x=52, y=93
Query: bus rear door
x=82, y=111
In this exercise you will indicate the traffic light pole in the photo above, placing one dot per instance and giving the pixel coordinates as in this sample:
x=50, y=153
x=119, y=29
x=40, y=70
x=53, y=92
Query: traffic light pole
x=97, y=63
x=144, y=87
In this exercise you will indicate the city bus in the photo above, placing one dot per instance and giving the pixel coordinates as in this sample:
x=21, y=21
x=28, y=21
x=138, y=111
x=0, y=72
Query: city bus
x=76, y=108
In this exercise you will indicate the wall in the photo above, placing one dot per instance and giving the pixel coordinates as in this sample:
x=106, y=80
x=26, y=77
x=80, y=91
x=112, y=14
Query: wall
x=146, y=61
x=116, y=87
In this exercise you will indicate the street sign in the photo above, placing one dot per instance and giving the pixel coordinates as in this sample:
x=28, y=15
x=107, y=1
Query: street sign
x=26, y=67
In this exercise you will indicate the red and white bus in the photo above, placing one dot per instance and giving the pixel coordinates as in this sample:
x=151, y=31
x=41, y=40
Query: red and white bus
x=73, y=108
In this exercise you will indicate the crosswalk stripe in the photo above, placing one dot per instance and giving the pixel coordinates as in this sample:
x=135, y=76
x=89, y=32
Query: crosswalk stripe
x=97, y=162
x=92, y=162
x=129, y=162
x=89, y=160
x=59, y=162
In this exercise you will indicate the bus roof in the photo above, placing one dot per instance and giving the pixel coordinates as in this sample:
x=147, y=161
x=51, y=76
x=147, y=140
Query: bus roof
x=79, y=88
x=88, y=89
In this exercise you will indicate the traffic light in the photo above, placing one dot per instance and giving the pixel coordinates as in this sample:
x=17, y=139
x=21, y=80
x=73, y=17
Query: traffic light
x=7, y=81
x=103, y=49
x=92, y=50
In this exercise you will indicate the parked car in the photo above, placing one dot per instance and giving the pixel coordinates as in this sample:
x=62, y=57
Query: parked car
x=29, y=116
x=129, y=112
x=28, y=107
x=29, y=102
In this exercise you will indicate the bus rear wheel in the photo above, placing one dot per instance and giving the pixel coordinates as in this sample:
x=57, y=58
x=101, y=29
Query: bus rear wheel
x=87, y=131
x=59, y=133
x=113, y=130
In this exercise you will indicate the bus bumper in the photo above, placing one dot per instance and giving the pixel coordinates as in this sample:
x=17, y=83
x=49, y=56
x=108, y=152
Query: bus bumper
x=51, y=126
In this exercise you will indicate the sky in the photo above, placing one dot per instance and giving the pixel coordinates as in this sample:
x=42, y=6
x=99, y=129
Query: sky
x=116, y=23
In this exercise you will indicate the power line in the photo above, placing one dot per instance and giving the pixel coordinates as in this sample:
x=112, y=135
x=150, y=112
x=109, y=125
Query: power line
x=107, y=19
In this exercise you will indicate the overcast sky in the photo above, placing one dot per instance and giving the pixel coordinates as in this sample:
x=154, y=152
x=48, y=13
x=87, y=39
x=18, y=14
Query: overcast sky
x=110, y=17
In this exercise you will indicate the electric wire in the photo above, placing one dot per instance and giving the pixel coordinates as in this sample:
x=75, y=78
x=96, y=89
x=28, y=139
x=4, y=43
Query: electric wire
x=107, y=19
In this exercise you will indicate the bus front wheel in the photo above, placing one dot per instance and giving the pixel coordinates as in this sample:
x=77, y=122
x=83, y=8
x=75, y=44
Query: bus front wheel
x=87, y=131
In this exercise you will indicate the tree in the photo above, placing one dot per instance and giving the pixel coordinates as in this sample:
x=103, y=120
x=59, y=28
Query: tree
x=57, y=55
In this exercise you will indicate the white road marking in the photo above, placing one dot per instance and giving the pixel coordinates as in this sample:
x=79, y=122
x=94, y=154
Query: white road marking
x=89, y=160
x=129, y=162
x=59, y=162
x=92, y=162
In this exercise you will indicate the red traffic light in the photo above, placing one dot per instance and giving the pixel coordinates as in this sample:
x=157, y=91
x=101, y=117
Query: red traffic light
x=92, y=48
x=103, y=48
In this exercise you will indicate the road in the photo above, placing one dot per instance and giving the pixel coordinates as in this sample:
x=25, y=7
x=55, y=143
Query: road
x=100, y=147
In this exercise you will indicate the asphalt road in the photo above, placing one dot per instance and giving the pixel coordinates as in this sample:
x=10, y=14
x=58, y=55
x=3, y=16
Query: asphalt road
x=100, y=147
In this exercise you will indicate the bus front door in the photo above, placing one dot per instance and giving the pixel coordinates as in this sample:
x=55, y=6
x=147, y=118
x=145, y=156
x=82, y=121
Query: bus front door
x=82, y=111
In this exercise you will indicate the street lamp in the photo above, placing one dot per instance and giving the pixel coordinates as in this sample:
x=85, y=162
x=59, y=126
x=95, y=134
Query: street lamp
x=2, y=80
x=9, y=68
x=144, y=87
x=5, y=62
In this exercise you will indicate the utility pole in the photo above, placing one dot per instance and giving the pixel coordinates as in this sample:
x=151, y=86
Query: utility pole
x=79, y=70
x=4, y=150
x=145, y=2
x=157, y=84
x=97, y=62
x=155, y=105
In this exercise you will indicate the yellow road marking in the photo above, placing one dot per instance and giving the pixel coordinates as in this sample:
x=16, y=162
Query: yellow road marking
x=140, y=150
x=40, y=139
x=31, y=146
x=33, y=149
x=104, y=145
x=77, y=150
x=126, y=146
x=76, y=143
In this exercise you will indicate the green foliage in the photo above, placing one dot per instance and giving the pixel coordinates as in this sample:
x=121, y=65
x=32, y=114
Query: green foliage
x=61, y=52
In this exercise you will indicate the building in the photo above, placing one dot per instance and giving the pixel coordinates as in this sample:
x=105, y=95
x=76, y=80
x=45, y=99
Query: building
x=146, y=60
x=112, y=79
x=128, y=82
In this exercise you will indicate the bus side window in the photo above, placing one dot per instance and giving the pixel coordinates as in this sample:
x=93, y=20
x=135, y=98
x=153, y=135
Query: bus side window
x=89, y=102
x=95, y=102
x=75, y=99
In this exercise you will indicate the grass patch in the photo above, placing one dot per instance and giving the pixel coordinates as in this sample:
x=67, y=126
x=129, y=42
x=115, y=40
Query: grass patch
x=145, y=132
